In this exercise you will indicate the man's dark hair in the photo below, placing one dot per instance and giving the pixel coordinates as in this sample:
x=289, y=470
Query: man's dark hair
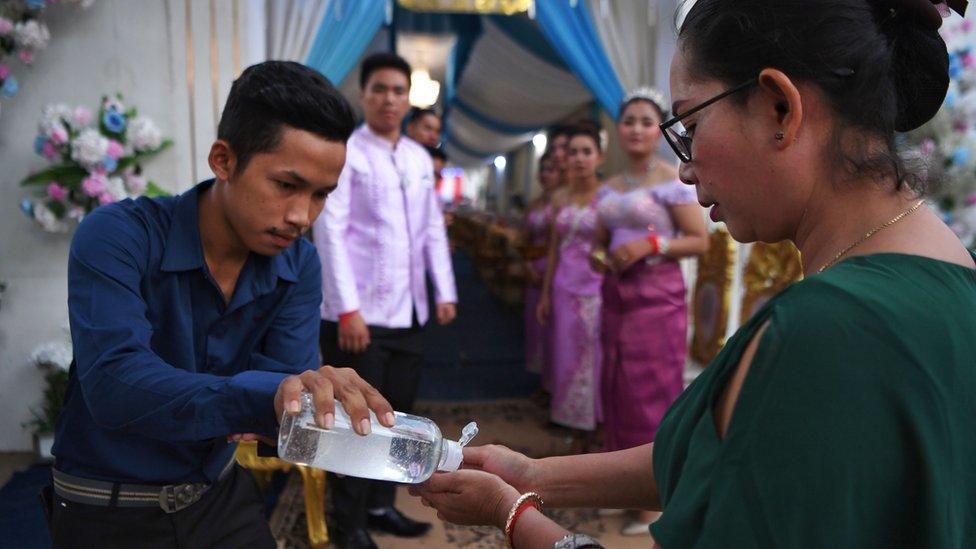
x=273, y=94
x=437, y=152
x=417, y=113
x=379, y=61
x=556, y=131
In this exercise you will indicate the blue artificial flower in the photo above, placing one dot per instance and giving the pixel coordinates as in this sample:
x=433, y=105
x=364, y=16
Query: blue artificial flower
x=114, y=121
x=110, y=164
x=10, y=86
x=27, y=207
x=36, y=4
x=961, y=156
x=950, y=99
x=39, y=144
x=955, y=67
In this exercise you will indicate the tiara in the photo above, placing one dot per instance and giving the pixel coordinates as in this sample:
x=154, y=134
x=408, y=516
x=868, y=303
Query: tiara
x=649, y=94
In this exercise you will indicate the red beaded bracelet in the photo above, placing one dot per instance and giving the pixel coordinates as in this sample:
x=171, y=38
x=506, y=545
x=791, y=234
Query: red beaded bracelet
x=522, y=504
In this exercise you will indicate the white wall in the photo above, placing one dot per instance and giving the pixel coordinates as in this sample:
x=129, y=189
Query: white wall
x=138, y=47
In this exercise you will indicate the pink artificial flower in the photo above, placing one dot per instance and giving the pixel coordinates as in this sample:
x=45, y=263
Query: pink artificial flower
x=82, y=116
x=4, y=72
x=136, y=183
x=928, y=146
x=967, y=25
x=971, y=200
x=56, y=192
x=59, y=135
x=49, y=151
x=26, y=56
x=968, y=60
x=115, y=150
x=106, y=198
x=6, y=26
x=93, y=185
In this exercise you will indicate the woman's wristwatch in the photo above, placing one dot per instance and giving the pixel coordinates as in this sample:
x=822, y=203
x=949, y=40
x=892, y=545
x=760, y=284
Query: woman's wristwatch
x=577, y=541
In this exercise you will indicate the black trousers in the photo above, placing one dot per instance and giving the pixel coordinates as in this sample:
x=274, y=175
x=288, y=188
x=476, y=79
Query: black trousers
x=392, y=363
x=230, y=514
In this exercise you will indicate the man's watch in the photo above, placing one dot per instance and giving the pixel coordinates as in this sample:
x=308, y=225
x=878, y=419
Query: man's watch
x=577, y=541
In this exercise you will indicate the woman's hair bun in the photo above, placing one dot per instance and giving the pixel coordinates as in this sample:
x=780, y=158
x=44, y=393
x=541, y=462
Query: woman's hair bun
x=920, y=60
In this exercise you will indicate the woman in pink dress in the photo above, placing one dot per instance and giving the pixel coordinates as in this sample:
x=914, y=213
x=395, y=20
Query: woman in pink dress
x=538, y=221
x=571, y=293
x=648, y=220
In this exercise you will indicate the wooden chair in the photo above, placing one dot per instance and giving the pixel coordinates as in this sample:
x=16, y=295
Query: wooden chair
x=313, y=481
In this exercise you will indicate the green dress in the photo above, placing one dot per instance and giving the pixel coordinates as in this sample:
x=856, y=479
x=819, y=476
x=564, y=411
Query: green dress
x=855, y=426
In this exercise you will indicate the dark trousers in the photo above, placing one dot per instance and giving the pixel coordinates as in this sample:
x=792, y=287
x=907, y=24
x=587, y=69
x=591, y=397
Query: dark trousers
x=230, y=514
x=392, y=364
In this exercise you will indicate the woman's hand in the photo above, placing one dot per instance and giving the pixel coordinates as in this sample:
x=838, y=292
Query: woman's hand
x=542, y=309
x=512, y=467
x=468, y=497
x=598, y=260
x=626, y=255
x=534, y=278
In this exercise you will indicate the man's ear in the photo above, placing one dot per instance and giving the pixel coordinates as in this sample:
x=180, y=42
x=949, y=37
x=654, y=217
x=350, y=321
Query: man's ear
x=222, y=160
x=786, y=114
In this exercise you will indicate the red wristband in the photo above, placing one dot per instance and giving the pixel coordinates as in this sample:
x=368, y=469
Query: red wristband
x=655, y=244
x=523, y=507
x=344, y=317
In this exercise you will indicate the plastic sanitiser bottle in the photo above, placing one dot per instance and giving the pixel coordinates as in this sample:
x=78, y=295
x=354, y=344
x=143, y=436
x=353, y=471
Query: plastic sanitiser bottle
x=408, y=452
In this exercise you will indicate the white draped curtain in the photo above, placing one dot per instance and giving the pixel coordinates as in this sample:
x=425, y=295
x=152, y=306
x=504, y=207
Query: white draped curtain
x=628, y=31
x=291, y=27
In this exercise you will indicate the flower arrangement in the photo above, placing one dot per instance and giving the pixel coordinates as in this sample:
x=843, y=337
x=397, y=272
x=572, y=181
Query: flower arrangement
x=948, y=141
x=23, y=34
x=53, y=359
x=97, y=160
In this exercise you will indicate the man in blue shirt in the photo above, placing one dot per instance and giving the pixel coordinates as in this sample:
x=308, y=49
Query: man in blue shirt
x=195, y=324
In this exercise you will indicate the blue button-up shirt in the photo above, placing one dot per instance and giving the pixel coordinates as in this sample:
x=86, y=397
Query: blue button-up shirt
x=165, y=369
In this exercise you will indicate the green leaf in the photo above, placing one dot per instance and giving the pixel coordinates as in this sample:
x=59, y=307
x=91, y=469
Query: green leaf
x=138, y=157
x=65, y=174
x=153, y=190
x=57, y=207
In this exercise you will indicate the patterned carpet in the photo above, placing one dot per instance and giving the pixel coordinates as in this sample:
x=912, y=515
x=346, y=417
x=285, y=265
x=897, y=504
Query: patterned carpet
x=520, y=424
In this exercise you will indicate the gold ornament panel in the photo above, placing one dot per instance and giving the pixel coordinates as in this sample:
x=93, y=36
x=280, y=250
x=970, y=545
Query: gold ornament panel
x=710, y=305
x=771, y=268
x=503, y=7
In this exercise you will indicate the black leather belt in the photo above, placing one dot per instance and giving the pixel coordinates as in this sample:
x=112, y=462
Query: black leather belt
x=170, y=498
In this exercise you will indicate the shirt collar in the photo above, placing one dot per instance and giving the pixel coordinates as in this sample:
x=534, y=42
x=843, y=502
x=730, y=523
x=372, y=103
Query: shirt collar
x=382, y=141
x=184, y=250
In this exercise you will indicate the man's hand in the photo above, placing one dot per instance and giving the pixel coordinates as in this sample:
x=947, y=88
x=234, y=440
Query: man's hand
x=328, y=384
x=446, y=313
x=353, y=334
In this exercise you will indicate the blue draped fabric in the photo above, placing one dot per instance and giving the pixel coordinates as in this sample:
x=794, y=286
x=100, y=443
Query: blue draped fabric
x=572, y=33
x=346, y=30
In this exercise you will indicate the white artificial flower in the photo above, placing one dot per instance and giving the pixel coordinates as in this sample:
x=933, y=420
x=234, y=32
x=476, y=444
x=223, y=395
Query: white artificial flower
x=84, y=4
x=31, y=35
x=143, y=134
x=53, y=354
x=116, y=187
x=89, y=148
x=47, y=220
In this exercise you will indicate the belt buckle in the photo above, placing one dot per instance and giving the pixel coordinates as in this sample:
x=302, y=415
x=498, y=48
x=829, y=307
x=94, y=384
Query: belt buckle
x=176, y=497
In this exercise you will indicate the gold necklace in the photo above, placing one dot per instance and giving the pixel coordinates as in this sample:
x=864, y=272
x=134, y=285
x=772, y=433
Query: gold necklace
x=871, y=233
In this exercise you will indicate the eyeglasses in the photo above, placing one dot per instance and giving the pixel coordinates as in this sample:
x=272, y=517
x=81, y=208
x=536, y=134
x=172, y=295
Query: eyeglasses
x=674, y=131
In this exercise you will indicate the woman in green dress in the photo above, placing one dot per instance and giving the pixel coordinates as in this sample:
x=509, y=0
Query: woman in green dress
x=842, y=414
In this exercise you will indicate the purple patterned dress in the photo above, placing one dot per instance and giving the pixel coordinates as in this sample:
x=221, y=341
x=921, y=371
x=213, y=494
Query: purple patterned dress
x=645, y=317
x=538, y=221
x=575, y=319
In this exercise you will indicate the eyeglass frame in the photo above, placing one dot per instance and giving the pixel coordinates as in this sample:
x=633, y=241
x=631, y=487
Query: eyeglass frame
x=675, y=119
